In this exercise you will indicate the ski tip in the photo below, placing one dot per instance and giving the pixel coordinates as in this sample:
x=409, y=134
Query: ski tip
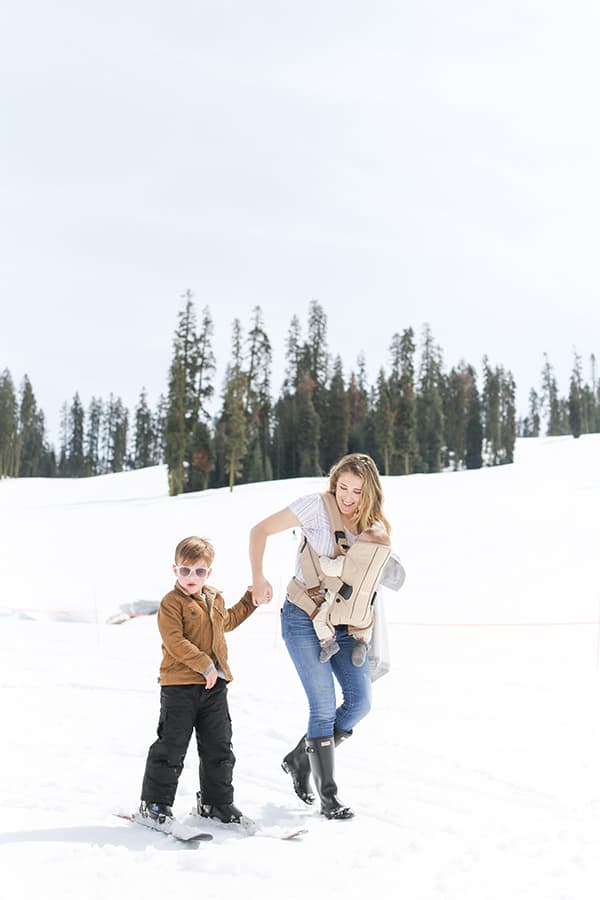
x=295, y=834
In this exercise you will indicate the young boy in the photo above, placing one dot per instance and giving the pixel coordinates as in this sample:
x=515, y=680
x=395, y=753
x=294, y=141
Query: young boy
x=360, y=571
x=192, y=620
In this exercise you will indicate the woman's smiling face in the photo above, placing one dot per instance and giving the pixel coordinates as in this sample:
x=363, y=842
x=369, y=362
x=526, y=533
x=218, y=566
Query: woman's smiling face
x=348, y=492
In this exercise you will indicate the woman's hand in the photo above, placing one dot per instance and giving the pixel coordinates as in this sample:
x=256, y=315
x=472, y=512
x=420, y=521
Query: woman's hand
x=262, y=592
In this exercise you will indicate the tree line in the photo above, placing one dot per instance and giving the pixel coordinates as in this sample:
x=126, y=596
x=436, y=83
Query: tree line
x=417, y=417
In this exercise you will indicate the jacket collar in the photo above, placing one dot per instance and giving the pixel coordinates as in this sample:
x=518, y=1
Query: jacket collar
x=208, y=591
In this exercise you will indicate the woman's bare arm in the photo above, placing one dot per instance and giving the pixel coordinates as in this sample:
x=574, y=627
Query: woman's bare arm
x=262, y=592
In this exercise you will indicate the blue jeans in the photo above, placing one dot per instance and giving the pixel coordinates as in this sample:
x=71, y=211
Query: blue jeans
x=317, y=677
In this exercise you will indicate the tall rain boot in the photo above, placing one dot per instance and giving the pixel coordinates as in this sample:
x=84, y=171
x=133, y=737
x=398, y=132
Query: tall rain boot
x=321, y=754
x=297, y=765
x=340, y=736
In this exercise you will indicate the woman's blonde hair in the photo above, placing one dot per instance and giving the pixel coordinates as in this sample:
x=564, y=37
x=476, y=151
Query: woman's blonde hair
x=370, y=507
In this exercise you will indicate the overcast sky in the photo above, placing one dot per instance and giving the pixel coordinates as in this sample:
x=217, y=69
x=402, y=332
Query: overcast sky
x=401, y=162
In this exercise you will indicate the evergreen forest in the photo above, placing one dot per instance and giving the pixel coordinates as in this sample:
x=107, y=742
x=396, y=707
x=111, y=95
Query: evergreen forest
x=416, y=417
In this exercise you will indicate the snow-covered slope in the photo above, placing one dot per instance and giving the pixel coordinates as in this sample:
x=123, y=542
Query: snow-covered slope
x=476, y=773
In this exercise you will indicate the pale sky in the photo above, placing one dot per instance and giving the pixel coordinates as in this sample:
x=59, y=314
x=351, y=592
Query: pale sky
x=399, y=162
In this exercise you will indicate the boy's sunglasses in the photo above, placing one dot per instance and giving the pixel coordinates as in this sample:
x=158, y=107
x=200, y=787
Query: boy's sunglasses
x=185, y=571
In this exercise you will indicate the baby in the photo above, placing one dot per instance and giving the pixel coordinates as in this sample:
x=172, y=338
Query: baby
x=351, y=582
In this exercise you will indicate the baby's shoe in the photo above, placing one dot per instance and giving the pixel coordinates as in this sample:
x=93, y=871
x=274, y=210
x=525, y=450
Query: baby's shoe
x=328, y=649
x=359, y=653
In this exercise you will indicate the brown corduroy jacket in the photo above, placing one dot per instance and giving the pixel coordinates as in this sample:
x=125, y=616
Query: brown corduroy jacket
x=193, y=633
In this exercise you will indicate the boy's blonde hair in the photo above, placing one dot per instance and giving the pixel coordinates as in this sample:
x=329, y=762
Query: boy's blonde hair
x=370, y=507
x=192, y=549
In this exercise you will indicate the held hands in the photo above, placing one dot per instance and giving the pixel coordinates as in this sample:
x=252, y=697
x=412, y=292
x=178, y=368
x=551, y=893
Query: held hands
x=261, y=591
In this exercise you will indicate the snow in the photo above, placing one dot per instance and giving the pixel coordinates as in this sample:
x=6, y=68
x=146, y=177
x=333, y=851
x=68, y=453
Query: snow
x=474, y=776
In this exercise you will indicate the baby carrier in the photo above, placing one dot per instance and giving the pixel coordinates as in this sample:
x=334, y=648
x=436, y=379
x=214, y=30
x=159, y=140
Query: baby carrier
x=355, y=594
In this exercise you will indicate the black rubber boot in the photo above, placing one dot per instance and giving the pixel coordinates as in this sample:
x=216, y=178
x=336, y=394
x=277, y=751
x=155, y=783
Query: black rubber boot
x=340, y=736
x=321, y=754
x=227, y=812
x=297, y=765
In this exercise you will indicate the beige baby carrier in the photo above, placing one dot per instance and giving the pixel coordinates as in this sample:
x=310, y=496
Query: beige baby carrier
x=362, y=572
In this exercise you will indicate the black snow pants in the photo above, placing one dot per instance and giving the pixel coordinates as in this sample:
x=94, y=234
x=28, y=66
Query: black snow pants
x=183, y=708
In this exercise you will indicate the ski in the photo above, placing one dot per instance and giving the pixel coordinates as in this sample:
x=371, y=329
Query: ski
x=250, y=828
x=281, y=833
x=174, y=829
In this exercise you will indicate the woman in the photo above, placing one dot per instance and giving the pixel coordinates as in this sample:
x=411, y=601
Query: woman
x=356, y=498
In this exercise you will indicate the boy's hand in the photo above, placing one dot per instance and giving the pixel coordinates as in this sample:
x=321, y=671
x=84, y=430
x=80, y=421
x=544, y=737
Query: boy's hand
x=261, y=591
x=211, y=678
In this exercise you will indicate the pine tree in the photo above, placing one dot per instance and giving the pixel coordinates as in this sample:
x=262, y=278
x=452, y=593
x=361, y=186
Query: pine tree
x=284, y=432
x=203, y=457
x=296, y=423
x=405, y=421
x=75, y=453
x=93, y=437
x=393, y=399
x=117, y=426
x=9, y=435
x=317, y=357
x=175, y=426
x=576, y=411
x=317, y=353
x=285, y=418
x=233, y=421
x=63, y=439
x=258, y=402
x=491, y=413
x=384, y=425
x=143, y=453
x=307, y=437
x=474, y=427
x=594, y=400
x=294, y=355
x=456, y=395
x=159, y=429
x=358, y=407
x=201, y=451
x=532, y=421
x=429, y=411
x=188, y=448
x=550, y=399
x=31, y=432
x=508, y=416
x=205, y=366
x=334, y=441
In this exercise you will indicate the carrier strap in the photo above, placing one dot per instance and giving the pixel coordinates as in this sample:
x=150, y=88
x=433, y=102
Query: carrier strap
x=310, y=595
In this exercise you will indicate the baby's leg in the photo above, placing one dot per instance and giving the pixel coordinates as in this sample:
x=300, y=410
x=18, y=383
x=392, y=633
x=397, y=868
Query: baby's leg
x=332, y=567
x=325, y=631
x=360, y=650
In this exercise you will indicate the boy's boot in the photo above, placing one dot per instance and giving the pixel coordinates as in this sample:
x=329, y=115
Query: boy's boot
x=225, y=812
x=228, y=813
x=321, y=754
x=158, y=812
x=297, y=765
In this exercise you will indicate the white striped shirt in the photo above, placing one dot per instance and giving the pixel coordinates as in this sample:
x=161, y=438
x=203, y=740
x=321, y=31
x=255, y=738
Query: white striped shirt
x=316, y=528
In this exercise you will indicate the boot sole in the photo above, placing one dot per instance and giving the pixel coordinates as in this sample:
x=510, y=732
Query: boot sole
x=343, y=812
x=306, y=798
